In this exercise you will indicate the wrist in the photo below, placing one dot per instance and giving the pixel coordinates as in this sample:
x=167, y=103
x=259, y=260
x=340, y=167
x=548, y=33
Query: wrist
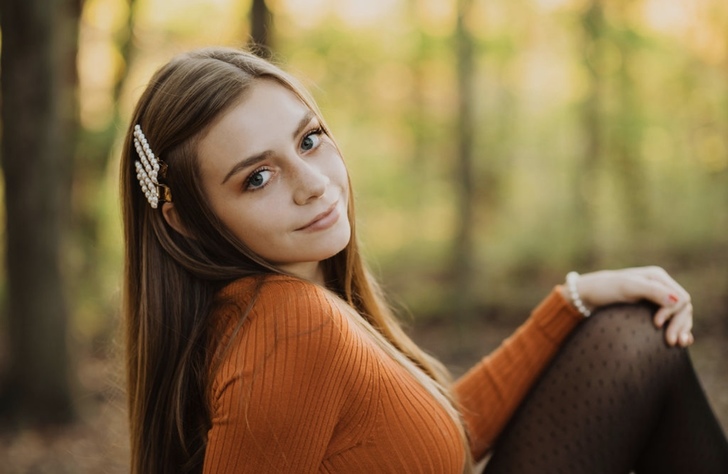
x=573, y=295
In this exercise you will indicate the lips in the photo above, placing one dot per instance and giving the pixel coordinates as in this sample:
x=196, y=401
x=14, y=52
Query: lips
x=323, y=220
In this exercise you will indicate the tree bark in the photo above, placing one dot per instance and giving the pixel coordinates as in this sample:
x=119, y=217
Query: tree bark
x=417, y=113
x=464, y=250
x=628, y=162
x=93, y=156
x=39, y=44
x=587, y=168
x=261, y=27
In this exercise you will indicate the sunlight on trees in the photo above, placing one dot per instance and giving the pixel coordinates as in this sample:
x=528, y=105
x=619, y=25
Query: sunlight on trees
x=384, y=73
x=600, y=139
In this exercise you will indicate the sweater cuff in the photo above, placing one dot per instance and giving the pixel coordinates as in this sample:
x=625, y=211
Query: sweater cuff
x=556, y=316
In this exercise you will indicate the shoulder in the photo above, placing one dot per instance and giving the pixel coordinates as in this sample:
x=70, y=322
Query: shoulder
x=278, y=314
x=275, y=299
x=286, y=375
x=280, y=325
x=272, y=290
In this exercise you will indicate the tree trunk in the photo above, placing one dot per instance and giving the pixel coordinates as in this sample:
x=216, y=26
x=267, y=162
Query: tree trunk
x=417, y=113
x=261, y=28
x=39, y=44
x=587, y=168
x=93, y=156
x=630, y=171
x=463, y=264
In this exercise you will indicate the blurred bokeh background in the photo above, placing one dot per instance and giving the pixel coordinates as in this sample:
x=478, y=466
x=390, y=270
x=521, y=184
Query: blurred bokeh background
x=494, y=145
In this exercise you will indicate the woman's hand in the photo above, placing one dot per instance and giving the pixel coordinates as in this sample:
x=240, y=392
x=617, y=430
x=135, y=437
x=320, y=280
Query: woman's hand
x=645, y=283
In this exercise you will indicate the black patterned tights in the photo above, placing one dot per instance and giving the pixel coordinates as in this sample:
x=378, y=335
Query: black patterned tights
x=616, y=399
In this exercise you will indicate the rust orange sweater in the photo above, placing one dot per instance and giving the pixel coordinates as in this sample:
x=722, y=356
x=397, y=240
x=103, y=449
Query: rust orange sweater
x=301, y=389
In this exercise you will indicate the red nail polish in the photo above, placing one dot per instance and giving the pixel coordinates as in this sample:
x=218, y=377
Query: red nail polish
x=673, y=298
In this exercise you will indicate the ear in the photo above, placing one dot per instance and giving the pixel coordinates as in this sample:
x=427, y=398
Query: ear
x=170, y=215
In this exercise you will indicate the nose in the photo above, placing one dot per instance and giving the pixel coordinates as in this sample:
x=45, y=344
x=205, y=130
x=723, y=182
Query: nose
x=310, y=183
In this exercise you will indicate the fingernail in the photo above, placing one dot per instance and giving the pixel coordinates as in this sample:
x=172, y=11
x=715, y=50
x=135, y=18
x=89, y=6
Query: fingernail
x=684, y=339
x=673, y=298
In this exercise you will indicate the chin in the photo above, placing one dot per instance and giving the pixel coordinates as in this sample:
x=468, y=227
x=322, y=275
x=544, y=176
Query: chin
x=327, y=246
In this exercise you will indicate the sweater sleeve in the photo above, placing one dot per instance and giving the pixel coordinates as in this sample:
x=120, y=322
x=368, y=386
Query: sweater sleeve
x=490, y=392
x=281, y=385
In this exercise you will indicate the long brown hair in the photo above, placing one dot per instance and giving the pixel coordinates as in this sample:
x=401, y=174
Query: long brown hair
x=171, y=279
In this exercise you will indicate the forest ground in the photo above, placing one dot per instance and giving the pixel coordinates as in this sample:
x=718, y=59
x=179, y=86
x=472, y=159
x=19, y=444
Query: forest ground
x=97, y=443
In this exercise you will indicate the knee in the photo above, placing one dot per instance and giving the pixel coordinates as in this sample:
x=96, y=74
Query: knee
x=627, y=325
x=625, y=335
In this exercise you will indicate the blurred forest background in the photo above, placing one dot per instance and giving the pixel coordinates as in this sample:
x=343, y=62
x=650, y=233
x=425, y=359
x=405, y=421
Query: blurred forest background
x=494, y=145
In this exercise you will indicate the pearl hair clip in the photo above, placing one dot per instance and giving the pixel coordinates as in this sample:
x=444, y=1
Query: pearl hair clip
x=148, y=170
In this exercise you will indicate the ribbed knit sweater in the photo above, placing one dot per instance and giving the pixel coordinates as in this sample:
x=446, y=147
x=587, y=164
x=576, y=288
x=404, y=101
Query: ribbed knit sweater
x=300, y=388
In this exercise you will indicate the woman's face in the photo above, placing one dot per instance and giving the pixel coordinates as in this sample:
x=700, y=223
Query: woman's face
x=276, y=180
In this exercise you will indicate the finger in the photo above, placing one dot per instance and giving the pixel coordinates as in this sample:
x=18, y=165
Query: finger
x=669, y=310
x=658, y=290
x=684, y=339
x=662, y=315
x=636, y=288
x=678, y=330
x=680, y=326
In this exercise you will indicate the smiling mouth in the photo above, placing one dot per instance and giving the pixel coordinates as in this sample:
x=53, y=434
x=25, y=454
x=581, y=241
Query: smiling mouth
x=324, y=220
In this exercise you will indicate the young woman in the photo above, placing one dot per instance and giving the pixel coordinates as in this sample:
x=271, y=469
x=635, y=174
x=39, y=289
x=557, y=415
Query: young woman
x=258, y=342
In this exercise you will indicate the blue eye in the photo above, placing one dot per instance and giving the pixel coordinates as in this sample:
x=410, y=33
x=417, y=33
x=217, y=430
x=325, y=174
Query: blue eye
x=311, y=140
x=258, y=179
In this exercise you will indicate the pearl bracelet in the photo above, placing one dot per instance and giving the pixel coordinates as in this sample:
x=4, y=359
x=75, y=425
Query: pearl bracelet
x=571, y=278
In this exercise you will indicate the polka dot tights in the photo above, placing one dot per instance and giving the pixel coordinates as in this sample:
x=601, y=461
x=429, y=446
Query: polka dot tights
x=615, y=400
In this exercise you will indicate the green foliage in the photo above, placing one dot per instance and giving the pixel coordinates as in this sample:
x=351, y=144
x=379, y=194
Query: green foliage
x=656, y=192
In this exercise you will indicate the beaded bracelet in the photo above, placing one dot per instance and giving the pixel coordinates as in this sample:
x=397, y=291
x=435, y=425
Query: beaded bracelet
x=571, y=278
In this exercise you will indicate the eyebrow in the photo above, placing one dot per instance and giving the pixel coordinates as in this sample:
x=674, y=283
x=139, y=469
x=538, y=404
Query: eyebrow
x=258, y=157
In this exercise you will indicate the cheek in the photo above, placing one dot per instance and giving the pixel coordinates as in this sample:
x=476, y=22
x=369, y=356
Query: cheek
x=261, y=224
x=249, y=224
x=340, y=175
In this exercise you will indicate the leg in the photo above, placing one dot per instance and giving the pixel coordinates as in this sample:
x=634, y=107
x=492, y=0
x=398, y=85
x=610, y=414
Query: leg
x=615, y=399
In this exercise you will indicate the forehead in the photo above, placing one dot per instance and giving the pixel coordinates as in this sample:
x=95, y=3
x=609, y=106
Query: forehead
x=265, y=102
x=266, y=113
x=265, y=96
